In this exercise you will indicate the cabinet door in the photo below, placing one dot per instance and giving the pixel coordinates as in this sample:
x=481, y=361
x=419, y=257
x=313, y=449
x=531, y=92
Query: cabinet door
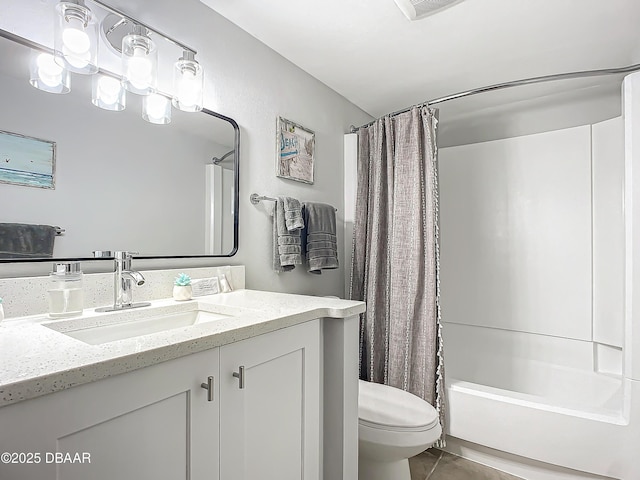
x=154, y=423
x=270, y=429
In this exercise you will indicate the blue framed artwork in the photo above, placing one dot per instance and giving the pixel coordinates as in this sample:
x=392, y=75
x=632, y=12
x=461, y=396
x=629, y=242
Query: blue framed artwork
x=27, y=161
x=295, y=151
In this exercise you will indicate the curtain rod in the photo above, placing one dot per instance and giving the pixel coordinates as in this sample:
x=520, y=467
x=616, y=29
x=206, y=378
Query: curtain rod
x=514, y=83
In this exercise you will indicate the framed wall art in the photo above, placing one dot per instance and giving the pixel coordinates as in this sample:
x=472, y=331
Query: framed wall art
x=27, y=161
x=295, y=147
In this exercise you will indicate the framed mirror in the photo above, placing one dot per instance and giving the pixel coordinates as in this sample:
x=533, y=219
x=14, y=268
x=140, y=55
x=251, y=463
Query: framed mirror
x=118, y=182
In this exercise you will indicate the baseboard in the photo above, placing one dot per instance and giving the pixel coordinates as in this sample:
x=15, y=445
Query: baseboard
x=522, y=467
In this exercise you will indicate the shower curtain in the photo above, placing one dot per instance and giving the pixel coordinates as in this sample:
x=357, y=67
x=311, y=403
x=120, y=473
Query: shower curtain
x=395, y=263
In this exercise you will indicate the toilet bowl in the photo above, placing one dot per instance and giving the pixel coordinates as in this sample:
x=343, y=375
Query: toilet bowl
x=393, y=425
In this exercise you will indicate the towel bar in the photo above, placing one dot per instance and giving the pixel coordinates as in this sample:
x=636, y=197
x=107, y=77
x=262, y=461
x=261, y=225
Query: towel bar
x=59, y=231
x=256, y=199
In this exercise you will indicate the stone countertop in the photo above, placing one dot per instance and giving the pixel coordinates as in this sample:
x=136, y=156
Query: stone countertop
x=37, y=360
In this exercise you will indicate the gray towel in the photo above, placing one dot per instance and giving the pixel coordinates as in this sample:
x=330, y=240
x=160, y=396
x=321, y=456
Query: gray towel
x=277, y=266
x=320, y=253
x=321, y=246
x=312, y=244
x=288, y=240
x=292, y=213
x=317, y=237
x=289, y=249
x=19, y=240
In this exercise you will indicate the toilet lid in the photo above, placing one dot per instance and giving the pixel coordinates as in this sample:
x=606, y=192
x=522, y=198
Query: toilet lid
x=382, y=406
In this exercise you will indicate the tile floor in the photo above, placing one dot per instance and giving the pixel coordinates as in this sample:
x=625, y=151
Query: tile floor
x=438, y=465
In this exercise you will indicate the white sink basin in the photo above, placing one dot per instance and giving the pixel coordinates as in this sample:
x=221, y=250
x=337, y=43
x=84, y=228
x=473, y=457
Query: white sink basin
x=110, y=328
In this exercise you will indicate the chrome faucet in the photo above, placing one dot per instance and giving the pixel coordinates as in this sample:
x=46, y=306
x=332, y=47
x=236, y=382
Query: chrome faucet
x=123, y=280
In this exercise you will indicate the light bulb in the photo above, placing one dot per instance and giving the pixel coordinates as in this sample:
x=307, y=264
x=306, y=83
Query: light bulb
x=77, y=60
x=156, y=109
x=49, y=72
x=75, y=38
x=188, y=91
x=139, y=62
x=139, y=69
x=109, y=90
x=156, y=105
x=188, y=82
x=107, y=93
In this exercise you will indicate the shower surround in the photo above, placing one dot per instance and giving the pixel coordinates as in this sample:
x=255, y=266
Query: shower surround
x=540, y=287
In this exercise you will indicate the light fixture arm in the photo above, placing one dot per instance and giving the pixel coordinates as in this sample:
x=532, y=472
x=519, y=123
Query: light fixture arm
x=142, y=24
x=112, y=28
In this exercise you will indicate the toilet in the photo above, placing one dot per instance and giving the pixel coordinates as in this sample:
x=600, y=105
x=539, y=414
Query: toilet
x=393, y=425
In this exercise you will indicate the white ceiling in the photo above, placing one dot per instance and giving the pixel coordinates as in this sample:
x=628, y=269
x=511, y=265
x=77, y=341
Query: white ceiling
x=369, y=52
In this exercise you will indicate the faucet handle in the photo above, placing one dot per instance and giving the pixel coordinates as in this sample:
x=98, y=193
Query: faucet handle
x=123, y=259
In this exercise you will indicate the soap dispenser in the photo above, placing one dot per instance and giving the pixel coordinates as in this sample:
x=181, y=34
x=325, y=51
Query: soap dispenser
x=66, y=298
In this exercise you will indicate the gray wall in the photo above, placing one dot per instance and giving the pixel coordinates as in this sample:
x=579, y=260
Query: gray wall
x=252, y=84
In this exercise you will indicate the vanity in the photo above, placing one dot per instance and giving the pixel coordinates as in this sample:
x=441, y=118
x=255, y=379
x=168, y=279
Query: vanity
x=242, y=385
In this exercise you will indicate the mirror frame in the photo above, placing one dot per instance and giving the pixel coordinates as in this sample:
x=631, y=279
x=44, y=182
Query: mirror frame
x=236, y=183
x=236, y=193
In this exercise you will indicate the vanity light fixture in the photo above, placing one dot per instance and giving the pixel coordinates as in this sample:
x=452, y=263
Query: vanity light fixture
x=188, y=82
x=156, y=108
x=76, y=37
x=46, y=75
x=75, y=50
x=139, y=62
x=107, y=93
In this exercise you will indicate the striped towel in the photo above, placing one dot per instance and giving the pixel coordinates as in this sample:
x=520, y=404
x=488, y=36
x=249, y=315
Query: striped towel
x=287, y=242
x=319, y=237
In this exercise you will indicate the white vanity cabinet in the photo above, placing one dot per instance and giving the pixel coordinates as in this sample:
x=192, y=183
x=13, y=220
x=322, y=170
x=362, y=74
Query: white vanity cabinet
x=157, y=423
x=270, y=410
x=153, y=423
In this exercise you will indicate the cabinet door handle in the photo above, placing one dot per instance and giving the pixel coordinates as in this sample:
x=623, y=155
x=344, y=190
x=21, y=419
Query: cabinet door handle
x=209, y=387
x=240, y=376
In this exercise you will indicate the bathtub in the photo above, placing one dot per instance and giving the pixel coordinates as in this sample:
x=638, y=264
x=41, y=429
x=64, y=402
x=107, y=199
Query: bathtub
x=542, y=400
